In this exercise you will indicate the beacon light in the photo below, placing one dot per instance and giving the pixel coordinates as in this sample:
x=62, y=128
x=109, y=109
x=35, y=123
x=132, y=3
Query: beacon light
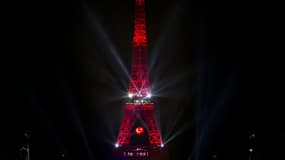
x=148, y=95
x=130, y=95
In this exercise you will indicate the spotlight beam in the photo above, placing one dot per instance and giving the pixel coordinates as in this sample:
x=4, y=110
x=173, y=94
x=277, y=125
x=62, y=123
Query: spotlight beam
x=98, y=28
x=174, y=17
x=220, y=107
x=166, y=84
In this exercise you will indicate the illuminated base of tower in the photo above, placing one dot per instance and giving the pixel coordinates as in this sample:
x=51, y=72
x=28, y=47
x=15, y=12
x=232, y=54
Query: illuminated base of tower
x=141, y=111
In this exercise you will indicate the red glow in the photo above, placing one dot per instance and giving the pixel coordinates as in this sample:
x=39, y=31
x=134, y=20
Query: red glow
x=139, y=70
x=139, y=86
x=139, y=130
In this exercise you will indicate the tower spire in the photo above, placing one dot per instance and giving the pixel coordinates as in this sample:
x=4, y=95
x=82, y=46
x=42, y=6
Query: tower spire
x=139, y=79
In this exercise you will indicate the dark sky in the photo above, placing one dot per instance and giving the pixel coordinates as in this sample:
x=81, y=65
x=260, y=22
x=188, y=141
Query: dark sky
x=202, y=54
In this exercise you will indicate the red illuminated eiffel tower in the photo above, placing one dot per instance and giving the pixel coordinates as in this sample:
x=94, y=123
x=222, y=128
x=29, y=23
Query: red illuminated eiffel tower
x=140, y=106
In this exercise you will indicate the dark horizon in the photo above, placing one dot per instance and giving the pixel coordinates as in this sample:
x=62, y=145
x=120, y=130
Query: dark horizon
x=202, y=56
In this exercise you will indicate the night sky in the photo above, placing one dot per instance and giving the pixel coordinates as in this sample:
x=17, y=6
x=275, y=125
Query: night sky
x=72, y=76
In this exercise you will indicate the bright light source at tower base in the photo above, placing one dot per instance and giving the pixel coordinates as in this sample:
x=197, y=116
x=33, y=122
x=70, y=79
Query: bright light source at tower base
x=116, y=145
x=148, y=95
x=130, y=95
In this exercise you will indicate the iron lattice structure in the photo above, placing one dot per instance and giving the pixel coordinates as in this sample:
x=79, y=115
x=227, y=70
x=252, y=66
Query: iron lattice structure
x=140, y=105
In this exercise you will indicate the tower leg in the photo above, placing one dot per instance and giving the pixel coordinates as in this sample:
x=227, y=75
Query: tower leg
x=125, y=130
x=153, y=130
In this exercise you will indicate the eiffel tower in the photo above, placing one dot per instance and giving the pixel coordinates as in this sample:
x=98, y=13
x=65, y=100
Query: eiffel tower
x=140, y=106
